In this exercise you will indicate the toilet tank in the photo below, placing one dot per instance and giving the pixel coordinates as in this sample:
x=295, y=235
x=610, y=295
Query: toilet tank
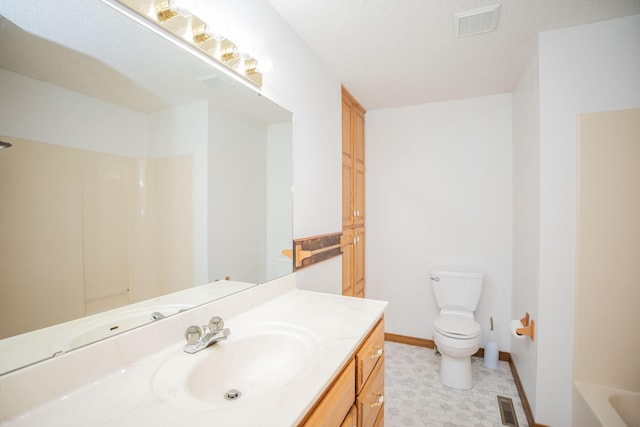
x=457, y=290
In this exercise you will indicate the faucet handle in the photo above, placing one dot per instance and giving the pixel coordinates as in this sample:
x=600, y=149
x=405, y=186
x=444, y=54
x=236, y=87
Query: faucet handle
x=193, y=334
x=216, y=324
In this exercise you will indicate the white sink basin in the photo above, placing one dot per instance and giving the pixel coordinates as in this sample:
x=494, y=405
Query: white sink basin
x=265, y=359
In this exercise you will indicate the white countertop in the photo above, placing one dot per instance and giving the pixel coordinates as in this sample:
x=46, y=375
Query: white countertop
x=31, y=347
x=125, y=396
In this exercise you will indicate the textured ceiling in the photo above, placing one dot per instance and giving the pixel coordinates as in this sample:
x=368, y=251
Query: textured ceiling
x=390, y=53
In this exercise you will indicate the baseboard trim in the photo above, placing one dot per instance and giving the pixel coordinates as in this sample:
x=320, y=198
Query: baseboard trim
x=502, y=355
x=418, y=342
x=422, y=342
x=523, y=396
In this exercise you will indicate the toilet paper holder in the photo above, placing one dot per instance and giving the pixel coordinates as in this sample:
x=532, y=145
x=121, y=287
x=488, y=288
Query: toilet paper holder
x=528, y=327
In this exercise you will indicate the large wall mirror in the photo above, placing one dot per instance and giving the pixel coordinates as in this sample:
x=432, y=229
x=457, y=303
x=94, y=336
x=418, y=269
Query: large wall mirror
x=140, y=181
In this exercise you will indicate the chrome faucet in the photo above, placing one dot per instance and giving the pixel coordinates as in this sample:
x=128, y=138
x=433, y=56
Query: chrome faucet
x=200, y=338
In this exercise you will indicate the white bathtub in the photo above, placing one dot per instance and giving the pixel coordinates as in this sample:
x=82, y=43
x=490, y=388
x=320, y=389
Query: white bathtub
x=601, y=406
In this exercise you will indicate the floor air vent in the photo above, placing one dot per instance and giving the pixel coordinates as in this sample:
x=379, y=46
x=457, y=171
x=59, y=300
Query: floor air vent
x=507, y=412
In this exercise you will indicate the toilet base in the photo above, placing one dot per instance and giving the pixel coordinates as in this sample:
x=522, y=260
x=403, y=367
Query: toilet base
x=455, y=372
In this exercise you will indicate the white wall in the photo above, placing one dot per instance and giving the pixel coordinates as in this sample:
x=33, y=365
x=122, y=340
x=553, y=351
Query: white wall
x=279, y=200
x=302, y=84
x=176, y=131
x=237, y=160
x=526, y=217
x=184, y=130
x=66, y=118
x=588, y=68
x=439, y=195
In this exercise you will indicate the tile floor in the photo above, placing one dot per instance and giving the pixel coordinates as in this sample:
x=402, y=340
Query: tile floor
x=414, y=395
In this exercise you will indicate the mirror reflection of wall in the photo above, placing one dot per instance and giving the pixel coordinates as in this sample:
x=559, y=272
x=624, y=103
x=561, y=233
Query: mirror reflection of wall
x=84, y=230
x=249, y=185
x=136, y=170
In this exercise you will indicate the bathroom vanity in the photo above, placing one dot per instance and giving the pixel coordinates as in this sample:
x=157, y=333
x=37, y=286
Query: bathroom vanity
x=361, y=381
x=293, y=358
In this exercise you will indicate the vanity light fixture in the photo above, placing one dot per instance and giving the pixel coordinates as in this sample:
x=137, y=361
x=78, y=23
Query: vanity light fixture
x=206, y=33
x=208, y=39
x=251, y=66
x=165, y=13
x=245, y=48
x=263, y=64
x=171, y=8
x=229, y=54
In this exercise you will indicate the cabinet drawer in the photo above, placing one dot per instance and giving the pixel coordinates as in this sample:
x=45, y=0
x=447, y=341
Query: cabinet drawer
x=370, y=400
x=369, y=353
x=335, y=404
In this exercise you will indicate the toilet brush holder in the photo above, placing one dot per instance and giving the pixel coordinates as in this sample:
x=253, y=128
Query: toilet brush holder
x=491, y=351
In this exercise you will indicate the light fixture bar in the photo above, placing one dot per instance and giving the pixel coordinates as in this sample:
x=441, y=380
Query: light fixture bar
x=169, y=16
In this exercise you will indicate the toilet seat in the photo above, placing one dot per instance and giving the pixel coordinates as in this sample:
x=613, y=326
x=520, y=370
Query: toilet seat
x=458, y=327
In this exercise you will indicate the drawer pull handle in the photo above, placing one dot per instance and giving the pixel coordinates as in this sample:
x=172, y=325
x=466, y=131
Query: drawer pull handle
x=377, y=354
x=379, y=402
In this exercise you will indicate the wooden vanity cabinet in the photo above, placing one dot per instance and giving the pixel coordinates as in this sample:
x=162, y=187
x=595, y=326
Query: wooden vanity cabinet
x=367, y=356
x=370, y=400
x=336, y=401
x=370, y=378
x=356, y=396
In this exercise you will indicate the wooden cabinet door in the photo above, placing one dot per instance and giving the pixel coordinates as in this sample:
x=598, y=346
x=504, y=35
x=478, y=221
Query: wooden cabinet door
x=370, y=400
x=347, y=110
x=358, y=166
x=347, y=193
x=353, y=195
x=347, y=163
x=358, y=262
x=337, y=401
x=351, y=419
x=348, y=249
x=353, y=205
x=369, y=355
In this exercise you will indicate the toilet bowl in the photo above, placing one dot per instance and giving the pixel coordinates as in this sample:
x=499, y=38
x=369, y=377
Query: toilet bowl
x=457, y=338
x=456, y=334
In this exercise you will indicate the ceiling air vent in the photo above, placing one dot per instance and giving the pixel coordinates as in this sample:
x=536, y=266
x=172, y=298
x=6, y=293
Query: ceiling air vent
x=216, y=83
x=477, y=21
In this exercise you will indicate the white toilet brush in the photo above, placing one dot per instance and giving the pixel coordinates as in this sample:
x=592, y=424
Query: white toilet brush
x=491, y=350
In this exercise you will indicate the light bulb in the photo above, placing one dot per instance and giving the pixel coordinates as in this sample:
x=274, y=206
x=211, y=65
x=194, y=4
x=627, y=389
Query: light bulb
x=173, y=8
x=265, y=64
x=244, y=51
x=179, y=7
x=208, y=33
x=229, y=54
x=245, y=47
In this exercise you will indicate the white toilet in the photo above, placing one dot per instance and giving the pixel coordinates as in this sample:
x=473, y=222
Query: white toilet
x=455, y=331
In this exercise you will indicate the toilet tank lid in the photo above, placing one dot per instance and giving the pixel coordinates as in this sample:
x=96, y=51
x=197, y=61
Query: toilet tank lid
x=456, y=274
